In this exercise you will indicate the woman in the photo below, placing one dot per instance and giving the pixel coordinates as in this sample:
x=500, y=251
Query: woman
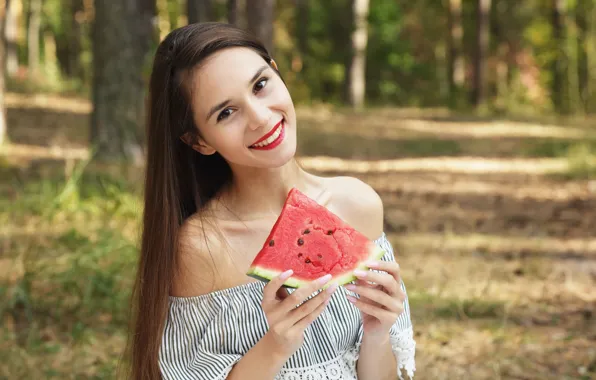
x=220, y=162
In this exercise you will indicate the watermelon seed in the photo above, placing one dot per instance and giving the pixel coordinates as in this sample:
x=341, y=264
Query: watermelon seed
x=320, y=256
x=307, y=260
x=307, y=231
x=300, y=241
x=330, y=232
x=271, y=243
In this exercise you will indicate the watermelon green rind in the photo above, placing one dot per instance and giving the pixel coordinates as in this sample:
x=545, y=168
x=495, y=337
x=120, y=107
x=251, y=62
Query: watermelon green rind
x=266, y=275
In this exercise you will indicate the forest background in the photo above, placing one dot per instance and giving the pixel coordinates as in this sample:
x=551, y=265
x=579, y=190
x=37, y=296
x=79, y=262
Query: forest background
x=475, y=120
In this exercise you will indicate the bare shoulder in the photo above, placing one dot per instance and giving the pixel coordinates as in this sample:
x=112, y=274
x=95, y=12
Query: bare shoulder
x=197, y=252
x=358, y=204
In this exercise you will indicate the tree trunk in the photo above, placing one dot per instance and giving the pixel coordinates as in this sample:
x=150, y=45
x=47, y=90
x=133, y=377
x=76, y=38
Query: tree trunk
x=123, y=37
x=357, y=71
x=481, y=49
x=199, y=11
x=582, y=14
x=455, y=60
x=10, y=34
x=232, y=12
x=33, y=34
x=2, y=68
x=591, y=59
x=260, y=17
x=302, y=7
x=75, y=46
x=558, y=69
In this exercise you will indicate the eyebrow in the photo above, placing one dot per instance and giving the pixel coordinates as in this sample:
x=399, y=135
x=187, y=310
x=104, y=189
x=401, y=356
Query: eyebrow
x=221, y=105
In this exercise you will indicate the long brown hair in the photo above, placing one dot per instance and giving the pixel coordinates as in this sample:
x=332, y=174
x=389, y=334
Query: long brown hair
x=179, y=181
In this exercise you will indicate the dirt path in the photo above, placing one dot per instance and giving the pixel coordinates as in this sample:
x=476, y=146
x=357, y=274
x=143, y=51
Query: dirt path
x=499, y=257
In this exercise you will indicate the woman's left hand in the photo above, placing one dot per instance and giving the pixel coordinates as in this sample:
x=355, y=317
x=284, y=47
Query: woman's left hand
x=382, y=302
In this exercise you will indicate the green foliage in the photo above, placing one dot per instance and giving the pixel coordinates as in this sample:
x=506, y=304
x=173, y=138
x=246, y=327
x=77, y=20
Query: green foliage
x=406, y=56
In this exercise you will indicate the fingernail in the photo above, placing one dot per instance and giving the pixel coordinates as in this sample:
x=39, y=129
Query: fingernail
x=350, y=287
x=332, y=288
x=324, y=279
x=372, y=264
x=359, y=273
x=286, y=274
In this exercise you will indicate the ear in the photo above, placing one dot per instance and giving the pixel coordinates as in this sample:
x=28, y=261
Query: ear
x=274, y=64
x=197, y=144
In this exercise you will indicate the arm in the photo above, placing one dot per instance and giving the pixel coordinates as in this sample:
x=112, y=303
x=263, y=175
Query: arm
x=387, y=344
x=261, y=362
x=376, y=360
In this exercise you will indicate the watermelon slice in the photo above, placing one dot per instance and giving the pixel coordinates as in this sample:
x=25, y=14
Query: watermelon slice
x=312, y=241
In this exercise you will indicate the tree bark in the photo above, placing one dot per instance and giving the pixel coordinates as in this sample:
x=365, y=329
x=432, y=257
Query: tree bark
x=481, y=49
x=357, y=73
x=33, y=34
x=123, y=36
x=260, y=17
x=558, y=68
x=10, y=35
x=199, y=11
x=455, y=60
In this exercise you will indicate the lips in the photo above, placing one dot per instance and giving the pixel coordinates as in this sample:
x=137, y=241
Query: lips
x=270, y=137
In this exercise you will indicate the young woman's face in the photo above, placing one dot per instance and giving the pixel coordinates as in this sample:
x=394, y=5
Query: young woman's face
x=243, y=110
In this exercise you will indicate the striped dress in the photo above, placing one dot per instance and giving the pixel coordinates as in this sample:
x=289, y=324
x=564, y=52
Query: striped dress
x=206, y=335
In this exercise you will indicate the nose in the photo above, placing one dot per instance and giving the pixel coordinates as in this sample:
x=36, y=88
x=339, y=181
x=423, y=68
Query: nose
x=259, y=114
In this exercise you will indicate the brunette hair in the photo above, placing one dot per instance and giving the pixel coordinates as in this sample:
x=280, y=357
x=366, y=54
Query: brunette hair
x=179, y=181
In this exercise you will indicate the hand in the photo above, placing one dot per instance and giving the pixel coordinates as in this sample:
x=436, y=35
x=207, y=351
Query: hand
x=287, y=322
x=380, y=303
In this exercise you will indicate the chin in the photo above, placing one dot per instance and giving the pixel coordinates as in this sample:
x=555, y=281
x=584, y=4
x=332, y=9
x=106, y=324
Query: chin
x=282, y=159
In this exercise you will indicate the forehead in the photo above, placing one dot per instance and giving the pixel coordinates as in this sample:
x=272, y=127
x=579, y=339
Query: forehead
x=226, y=71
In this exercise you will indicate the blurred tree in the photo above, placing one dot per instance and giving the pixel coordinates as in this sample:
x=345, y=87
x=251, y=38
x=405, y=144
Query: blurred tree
x=582, y=21
x=10, y=34
x=123, y=37
x=559, y=64
x=33, y=35
x=2, y=68
x=301, y=30
x=260, y=18
x=455, y=60
x=357, y=68
x=66, y=19
x=232, y=7
x=481, y=50
x=199, y=11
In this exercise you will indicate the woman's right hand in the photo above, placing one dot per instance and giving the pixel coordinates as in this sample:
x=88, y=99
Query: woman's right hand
x=286, y=321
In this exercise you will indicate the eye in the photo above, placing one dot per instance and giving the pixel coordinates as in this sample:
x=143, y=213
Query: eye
x=260, y=85
x=224, y=114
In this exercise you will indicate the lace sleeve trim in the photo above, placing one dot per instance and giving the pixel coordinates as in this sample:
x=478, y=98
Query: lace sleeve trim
x=404, y=349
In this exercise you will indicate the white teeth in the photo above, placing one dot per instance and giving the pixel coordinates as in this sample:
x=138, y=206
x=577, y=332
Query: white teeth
x=270, y=139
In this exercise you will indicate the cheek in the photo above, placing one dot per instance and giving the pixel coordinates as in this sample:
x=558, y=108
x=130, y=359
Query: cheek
x=230, y=137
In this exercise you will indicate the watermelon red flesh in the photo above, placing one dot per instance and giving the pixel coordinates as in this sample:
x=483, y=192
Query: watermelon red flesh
x=312, y=241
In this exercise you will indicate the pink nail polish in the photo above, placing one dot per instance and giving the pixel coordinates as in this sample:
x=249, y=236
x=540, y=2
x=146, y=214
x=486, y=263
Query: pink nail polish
x=323, y=280
x=359, y=273
x=285, y=275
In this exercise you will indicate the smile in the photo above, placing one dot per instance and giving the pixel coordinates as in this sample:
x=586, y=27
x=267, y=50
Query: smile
x=271, y=139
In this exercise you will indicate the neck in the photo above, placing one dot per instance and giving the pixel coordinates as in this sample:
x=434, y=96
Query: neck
x=260, y=193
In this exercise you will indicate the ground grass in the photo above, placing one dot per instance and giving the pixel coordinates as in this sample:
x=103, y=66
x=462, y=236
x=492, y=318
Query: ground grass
x=500, y=266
